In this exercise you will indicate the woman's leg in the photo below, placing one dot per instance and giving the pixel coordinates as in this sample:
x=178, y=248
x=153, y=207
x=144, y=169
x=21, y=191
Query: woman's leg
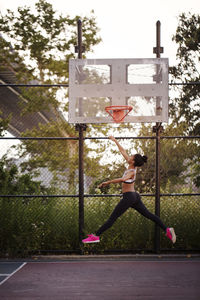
x=141, y=208
x=121, y=207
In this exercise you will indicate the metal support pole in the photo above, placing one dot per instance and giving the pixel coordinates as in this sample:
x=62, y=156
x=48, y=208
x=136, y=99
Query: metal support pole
x=157, y=194
x=80, y=128
x=81, y=183
x=157, y=129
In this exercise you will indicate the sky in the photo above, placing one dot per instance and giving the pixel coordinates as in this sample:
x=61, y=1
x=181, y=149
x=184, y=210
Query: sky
x=128, y=27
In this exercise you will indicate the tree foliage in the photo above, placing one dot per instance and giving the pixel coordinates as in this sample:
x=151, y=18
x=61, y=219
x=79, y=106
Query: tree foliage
x=186, y=106
x=179, y=160
x=179, y=163
x=36, y=46
x=46, y=39
x=3, y=124
x=14, y=183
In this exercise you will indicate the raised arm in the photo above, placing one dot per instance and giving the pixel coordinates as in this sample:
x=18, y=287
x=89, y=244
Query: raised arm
x=121, y=149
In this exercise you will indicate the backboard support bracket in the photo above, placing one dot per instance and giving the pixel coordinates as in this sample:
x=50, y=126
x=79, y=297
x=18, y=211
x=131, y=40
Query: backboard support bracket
x=78, y=126
x=158, y=127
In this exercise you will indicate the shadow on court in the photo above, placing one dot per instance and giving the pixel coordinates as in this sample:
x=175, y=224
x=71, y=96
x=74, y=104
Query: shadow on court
x=101, y=279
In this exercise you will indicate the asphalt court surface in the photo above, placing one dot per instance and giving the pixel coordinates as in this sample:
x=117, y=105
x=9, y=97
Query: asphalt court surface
x=103, y=279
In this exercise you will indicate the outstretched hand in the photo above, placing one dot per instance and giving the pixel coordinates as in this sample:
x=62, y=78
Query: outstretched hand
x=112, y=138
x=103, y=184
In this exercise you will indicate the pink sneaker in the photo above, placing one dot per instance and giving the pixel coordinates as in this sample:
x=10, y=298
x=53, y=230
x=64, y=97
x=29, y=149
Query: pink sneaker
x=91, y=239
x=170, y=233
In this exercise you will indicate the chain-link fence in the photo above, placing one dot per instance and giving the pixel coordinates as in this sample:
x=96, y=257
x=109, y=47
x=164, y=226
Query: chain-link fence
x=40, y=197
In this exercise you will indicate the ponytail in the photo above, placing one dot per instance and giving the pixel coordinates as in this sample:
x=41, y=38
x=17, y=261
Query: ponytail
x=144, y=157
x=139, y=160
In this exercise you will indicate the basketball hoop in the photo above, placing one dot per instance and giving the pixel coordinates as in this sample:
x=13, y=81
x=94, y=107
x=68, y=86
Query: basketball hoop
x=118, y=113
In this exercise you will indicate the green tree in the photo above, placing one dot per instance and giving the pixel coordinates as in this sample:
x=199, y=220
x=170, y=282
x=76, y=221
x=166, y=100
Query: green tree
x=44, y=40
x=3, y=124
x=58, y=155
x=40, y=45
x=37, y=47
x=14, y=183
x=186, y=106
x=178, y=160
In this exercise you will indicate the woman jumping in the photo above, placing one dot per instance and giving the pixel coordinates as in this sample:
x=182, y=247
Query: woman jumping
x=130, y=197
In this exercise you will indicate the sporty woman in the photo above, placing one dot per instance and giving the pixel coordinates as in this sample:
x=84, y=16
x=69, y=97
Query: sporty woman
x=130, y=197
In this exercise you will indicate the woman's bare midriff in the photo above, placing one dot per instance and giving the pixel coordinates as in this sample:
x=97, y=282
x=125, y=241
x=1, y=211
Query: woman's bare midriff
x=127, y=187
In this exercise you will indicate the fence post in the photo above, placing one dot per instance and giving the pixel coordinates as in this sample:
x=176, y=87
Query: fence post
x=80, y=127
x=157, y=129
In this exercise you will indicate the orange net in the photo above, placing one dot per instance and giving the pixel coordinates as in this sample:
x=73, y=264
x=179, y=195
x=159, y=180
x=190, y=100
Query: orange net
x=118, y=113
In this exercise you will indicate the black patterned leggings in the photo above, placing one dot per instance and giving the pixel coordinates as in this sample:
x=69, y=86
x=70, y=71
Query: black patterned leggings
x=130, y=199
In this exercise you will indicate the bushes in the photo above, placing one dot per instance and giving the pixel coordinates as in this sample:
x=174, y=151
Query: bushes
x=182, y=213
x=38, y=224
x=133, y=231
x=32, y=224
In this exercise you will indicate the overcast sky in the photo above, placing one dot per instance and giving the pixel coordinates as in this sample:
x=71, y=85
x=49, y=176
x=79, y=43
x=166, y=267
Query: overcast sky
x=128, y=27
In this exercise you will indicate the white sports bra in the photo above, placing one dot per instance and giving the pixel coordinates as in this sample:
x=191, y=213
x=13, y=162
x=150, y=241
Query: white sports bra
x=131, y=180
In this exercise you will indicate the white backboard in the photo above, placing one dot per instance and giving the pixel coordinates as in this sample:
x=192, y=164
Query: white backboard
x=97, y=83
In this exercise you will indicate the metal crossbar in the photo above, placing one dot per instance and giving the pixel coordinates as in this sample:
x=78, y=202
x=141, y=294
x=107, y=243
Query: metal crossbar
x=95, y=195
x=100, y=138
x=67, y=85
x=33, y=85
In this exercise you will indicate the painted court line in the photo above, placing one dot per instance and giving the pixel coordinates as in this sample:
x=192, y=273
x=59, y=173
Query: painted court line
x=11, y=274
x=111, y=261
